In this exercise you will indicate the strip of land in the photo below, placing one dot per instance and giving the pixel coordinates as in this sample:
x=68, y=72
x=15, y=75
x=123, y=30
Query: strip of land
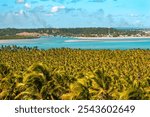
x=90, y=38
x=13, y=40
x=81, y=33
x=80, y=39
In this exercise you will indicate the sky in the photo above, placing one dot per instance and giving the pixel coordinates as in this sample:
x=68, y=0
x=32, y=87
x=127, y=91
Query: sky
x=74, y=13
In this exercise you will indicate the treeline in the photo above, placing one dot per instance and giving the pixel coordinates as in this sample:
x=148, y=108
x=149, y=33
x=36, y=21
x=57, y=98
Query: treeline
x=75, y=32
x=29, y=73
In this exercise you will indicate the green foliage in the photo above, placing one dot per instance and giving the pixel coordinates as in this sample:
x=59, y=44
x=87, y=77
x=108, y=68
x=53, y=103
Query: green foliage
x=74, y=74
x=10, y=33
x=4, y=70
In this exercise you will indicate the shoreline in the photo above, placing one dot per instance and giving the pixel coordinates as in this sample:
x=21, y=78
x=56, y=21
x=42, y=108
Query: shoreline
x=110, y=38
x=14, y=40
x=2, y=41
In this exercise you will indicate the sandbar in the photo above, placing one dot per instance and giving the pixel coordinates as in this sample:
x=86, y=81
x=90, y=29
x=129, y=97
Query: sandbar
x=90, y=38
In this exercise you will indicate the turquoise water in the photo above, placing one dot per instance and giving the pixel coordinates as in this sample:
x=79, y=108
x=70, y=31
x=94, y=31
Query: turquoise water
x=67, y=42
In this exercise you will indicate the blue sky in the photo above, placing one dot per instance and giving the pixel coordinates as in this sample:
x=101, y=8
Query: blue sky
x=74, y=13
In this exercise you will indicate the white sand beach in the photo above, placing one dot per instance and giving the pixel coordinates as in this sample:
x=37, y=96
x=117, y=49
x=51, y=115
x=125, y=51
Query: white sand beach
x=14, y=40
x=6, y=41
x=90, y=38
x=81, y=39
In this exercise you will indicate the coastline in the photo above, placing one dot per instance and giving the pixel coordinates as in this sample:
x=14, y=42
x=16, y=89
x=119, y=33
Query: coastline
x=110, y=38
x=2, y=41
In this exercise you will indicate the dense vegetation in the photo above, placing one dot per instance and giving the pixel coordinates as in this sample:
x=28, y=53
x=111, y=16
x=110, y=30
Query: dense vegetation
x=65, y=73
x=10, y=33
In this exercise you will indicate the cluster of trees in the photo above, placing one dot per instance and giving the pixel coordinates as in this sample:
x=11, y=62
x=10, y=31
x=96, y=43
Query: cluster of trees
x=11, y=33
x=75, y=32
x=29, y=73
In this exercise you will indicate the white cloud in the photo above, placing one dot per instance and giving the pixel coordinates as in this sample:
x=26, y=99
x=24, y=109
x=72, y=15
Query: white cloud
x=27, y=5
x=49, y=14
x=56, y=8
x=133, y=15
x=21, y=12
x=20, y=1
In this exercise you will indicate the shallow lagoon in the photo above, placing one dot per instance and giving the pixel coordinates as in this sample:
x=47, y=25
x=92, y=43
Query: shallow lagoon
x=68, y=42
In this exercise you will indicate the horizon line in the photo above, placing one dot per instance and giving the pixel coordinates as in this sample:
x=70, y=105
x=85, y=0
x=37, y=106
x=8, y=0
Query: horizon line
x=76, y=27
